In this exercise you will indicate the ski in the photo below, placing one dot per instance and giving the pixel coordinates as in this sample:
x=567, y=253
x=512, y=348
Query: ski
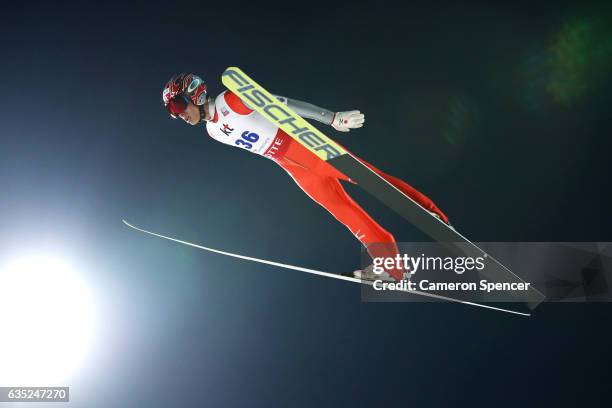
x=324, y=147
x=317, y=272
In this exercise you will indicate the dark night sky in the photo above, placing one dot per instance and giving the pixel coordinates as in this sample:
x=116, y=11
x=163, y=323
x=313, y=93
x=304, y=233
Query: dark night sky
x=500, y=113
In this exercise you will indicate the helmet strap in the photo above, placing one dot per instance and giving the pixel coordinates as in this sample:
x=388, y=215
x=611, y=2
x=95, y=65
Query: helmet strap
x=206, y=109
x=202, y=112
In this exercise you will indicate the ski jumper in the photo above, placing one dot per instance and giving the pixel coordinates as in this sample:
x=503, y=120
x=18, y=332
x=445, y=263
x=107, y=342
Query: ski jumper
x=234, y=123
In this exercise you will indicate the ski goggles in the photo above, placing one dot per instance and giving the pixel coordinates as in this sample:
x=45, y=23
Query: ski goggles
x=177, y=105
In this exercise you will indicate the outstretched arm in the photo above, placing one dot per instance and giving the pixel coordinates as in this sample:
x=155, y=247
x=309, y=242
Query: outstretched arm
x=341, y=121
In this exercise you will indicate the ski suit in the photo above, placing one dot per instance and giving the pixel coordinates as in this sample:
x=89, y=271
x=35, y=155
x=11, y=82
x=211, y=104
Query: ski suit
x=236, y=124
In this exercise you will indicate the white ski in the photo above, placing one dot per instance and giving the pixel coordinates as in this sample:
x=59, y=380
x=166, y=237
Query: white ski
x=320, y=273
x=317, y=142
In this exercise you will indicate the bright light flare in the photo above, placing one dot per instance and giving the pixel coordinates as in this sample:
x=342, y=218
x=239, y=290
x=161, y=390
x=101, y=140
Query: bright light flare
x=46, y=321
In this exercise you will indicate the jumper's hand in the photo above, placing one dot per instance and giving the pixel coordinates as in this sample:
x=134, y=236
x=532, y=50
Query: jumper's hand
x=345, y=121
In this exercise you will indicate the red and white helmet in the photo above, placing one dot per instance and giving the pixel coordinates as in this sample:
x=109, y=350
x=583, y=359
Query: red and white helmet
x=182, y=89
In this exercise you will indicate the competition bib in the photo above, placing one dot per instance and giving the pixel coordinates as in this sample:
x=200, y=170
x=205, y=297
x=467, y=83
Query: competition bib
x=237, y=125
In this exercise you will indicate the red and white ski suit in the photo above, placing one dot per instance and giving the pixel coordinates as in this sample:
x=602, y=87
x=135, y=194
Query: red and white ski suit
x=236, y=124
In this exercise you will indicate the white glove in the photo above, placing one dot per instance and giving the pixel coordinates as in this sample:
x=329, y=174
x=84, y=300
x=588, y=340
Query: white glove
x=345, y=121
